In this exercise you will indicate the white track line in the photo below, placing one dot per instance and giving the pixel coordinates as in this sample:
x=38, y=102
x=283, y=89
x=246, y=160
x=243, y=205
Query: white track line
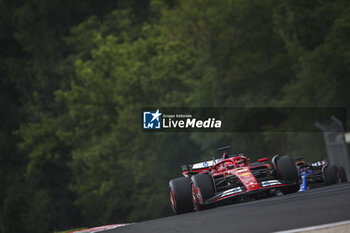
x=315, y=227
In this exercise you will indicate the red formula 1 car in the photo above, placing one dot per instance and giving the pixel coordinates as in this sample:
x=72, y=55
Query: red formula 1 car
x=231, y=178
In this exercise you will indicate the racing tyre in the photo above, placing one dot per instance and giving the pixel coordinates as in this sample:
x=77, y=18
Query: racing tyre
x=288, y=172
x=330, y=174
x=181, y=195
x=290, y=189
x=202, y=189
x=342, y=175
x=287, y=169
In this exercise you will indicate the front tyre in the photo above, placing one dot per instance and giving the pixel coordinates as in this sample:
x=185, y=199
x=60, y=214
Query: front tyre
x=181, y=195
x=202, y=189
x=288, y=172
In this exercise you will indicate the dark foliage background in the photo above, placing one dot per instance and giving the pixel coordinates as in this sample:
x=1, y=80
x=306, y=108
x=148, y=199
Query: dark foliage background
x=75, y=74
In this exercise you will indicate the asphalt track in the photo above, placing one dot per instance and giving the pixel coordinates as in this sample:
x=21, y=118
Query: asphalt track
x=315, y=207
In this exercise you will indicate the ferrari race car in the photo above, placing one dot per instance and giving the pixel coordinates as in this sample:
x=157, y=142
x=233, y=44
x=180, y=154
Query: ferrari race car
x=230, y=179
x=319, y=173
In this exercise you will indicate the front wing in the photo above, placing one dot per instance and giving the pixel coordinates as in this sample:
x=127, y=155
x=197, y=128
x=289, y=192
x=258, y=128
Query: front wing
x=240, y=190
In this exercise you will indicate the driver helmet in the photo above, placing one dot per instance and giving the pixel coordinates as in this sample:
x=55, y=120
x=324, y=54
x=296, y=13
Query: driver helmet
x=240, y=163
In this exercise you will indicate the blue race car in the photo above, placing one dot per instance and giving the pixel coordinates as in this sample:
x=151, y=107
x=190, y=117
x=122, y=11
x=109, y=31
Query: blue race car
x=319, y=173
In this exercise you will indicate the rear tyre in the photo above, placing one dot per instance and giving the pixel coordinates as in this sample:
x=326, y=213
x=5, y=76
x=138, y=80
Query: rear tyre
x=342, y=175
x=181, y=195
x=330, y=174
x=202, y=189
x=288, y=172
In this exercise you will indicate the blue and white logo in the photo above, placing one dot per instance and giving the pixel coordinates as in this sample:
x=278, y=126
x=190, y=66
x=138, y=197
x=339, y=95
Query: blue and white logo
x=151, y=120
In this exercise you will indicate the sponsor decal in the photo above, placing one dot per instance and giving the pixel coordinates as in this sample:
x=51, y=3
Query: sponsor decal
x=318, y=164
x=240, y=170
x=245, y=174
x=270, y=182
x=205, y=164
x=231, y=191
